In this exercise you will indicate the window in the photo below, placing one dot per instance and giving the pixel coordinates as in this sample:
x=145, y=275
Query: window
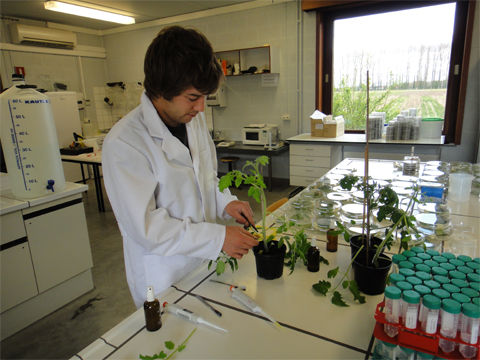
x=454, y=99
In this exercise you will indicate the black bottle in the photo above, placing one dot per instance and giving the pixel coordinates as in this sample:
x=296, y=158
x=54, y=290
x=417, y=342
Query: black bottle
x=153, y=319
x=313, y=256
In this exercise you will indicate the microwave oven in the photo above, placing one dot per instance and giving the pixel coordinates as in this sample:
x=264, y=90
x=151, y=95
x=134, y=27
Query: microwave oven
x=259, y=134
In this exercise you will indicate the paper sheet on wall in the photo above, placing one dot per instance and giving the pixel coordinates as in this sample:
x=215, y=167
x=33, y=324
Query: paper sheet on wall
x=269, y=80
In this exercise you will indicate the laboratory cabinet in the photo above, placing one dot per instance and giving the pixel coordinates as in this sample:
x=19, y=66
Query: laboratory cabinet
x=45, y=256
x=310, y=161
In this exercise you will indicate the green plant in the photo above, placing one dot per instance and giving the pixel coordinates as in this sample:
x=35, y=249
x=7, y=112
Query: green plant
x=324, y=287
x=170, y=346
x=297, y=247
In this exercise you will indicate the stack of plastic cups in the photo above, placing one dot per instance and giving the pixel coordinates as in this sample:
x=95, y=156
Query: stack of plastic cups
x=407, y=128
x=399, y=127
x=390, y=131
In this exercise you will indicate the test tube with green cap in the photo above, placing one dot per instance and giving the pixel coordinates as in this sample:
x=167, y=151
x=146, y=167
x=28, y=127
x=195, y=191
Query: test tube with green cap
x=406, y=272
x=394, y=278
x=474, y=285
x=422, y=290
x=422, y=275
x=411, y=301
x=418, y=250
x=473, y=265
x=432, y=284
x=457, y=262
x=405, y=353
x=448, y=256
x=405, y=264
x=389, y=350
x=392, y=310
x=473, y=277
x=404, y=286
x=455, y=274
x=449, y=324
x=439, y=259
x=452, y=289
x=413, y=280
x=442, y=295
x=431, y=263
x=460, y=283
x=424, y=256
x=396, y=260
x=424, y=268
x=447, y=266
x=415, y=260
x=465, y=269
x=424, y=356
x=408, y=253
x=441, y=279
x=469, y=329
x=462, y=299
x=432, y=252
x=476, y=301
x=437, y=270
x=464, y=258
x=477, y=260
x=470, y=292
x=430, y=308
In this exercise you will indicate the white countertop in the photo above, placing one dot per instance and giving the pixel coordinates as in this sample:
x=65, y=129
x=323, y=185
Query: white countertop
x=10, y=203
x=360, y=139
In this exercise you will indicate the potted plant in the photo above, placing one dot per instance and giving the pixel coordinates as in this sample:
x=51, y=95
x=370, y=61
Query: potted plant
x=271, y=253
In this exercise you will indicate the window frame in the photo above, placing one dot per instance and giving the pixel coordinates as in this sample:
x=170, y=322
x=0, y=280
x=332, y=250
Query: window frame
x=329, y=11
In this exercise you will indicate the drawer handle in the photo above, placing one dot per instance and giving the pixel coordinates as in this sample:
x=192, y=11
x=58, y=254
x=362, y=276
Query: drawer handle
x=308, y=170
x=308, y=159
x=309, y=149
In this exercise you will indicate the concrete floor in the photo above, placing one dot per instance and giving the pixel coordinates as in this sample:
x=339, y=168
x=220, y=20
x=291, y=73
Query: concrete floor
x=73, y=327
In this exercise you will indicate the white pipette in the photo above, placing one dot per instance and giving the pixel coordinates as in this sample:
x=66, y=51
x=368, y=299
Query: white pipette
x=250, y=303
x=189, y=315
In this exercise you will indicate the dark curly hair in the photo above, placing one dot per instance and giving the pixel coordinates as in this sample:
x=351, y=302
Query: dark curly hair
x=177, y=59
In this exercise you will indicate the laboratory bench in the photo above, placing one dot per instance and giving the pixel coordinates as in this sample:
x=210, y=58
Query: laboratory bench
x=45, y=256
x=311, y=326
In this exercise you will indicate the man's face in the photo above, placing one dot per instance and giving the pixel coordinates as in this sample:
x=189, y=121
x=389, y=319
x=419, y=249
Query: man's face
x=182, y=109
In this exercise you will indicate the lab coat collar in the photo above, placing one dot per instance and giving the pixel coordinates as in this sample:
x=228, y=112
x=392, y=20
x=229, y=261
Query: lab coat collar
x=157, y=129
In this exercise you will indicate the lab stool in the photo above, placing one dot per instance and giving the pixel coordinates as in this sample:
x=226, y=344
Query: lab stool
x=230, y=160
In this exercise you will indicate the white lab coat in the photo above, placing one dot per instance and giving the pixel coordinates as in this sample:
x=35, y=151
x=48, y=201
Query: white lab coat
x=165, y=198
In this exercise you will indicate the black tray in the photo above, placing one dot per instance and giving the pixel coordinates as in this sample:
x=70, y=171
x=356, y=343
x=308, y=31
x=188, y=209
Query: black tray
x=84, y=150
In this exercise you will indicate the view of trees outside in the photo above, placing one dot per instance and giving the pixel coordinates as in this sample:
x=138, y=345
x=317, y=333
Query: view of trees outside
x=407, y=54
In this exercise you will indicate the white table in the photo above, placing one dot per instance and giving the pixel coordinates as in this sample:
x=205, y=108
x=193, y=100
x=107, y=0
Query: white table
x=312, y=326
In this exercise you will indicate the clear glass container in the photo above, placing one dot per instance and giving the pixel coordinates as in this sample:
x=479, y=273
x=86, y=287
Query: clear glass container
x=301, y=204
x=434, y=224
x=338, y=196
x=322, y=223
x=435, y=208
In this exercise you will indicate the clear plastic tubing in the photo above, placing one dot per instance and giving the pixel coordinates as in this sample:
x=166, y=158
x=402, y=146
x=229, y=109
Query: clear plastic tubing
x=450, y=314
x=430, y=308
x=392, y=309
x=411, y=300
x=469, y=332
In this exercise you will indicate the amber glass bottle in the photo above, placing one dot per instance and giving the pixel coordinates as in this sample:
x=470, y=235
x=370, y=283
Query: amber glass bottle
x=151, y=307
x=332, y=240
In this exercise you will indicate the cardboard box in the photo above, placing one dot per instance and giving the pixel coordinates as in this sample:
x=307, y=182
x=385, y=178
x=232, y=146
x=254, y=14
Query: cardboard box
x=322, y=125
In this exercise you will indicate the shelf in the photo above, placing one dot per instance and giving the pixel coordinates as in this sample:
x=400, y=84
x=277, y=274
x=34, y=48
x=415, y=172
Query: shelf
x=263, y=58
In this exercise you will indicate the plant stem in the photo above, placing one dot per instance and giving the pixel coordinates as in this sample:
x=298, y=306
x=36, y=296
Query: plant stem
x=348, y=269
x=189, y=336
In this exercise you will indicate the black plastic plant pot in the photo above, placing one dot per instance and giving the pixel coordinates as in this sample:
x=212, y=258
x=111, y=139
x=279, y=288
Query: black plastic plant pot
x=269, y=264
x=371, y=280
x=356, y=243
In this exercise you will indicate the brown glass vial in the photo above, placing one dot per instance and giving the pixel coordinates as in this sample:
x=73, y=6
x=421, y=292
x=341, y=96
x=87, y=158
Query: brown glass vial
x=313, y=256
x=332, y=240
x=151, y=307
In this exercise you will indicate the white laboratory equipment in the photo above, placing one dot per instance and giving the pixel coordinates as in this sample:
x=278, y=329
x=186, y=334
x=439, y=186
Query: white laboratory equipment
x=29, y=141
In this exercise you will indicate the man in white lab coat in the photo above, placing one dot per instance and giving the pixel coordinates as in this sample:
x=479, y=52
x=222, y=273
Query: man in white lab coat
x=160, y=169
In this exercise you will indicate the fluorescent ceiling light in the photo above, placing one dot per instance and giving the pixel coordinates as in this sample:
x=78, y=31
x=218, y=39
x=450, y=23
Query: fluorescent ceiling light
x=88, y=12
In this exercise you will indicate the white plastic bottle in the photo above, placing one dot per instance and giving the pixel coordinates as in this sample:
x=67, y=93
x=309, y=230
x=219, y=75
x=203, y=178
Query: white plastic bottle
x=450, y=315
x=29, y=141
x=469, y=333
x=392, y=309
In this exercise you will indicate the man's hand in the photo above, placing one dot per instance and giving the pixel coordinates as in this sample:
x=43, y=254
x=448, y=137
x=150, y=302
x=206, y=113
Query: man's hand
x=238, y=241
x=241, y=211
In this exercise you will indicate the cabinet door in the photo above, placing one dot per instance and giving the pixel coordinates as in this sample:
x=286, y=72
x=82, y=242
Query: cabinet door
x=59, y=245
x=18, y=280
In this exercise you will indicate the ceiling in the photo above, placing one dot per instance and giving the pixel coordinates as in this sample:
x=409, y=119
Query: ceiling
x=141, y=10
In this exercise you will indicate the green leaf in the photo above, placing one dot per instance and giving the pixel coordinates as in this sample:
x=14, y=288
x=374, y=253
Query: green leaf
x=209, y=264
x=255, y=193
x=323, y=260
x=338, y=300
x=332, y=273
x=322, y=287
x=169, y=345
x=181, y=347
x=225, y=182
x=356, y=292
x=162, y=355
x=220, y=267
x=345, y=284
